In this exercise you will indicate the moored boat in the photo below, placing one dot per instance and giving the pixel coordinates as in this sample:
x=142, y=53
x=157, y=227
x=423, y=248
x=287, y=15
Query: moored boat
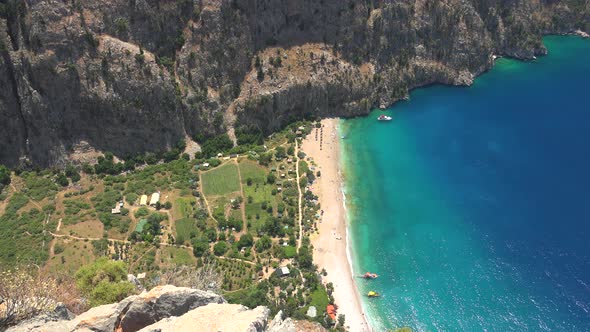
x=373, y=294
x=369, y=275
x=384, y=117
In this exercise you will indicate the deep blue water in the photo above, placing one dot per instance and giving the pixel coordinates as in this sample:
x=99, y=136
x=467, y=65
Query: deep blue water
x=473, y=205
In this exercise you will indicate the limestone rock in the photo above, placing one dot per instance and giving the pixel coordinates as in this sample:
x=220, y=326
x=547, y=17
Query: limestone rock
x=129, y=315
x=279, y=324
x=215, y=318
x=162, y=302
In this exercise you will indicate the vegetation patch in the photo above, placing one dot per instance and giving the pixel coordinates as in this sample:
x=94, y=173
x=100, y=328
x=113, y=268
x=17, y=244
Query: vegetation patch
x=185, y=229
x=222, y=180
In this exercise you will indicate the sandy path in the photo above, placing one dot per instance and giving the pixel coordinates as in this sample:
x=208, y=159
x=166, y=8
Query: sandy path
x=330, y=250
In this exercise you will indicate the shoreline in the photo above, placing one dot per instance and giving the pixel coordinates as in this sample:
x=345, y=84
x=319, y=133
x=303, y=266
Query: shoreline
x=331, y=246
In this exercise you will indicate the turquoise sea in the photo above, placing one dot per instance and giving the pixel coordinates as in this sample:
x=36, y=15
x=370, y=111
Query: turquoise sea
x=473, y=204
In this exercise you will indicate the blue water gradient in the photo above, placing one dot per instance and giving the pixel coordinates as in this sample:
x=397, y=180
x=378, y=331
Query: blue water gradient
x=473, y=205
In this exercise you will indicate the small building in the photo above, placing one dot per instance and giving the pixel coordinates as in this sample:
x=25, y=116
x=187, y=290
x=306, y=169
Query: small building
x=219, y=155
x=312, y=312
x=331, y=311
x=117, y=209
x=233, y=155
x=155, y=198
x=143, y=200
x=206, y=165
x=283, y=271
x=141, y=275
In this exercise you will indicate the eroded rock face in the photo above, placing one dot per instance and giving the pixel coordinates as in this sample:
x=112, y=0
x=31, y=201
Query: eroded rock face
x=129, y=315
x=215, y=317
x=162, y=302
x=135, y=76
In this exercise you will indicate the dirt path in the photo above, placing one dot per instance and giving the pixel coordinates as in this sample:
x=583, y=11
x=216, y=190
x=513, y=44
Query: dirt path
x=205, y=198
x=137, y=260
x=236, y=259
x=300, y=216
x=87, y=238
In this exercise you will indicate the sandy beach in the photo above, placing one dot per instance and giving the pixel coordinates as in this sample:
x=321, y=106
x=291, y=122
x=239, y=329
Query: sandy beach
x=330, y=245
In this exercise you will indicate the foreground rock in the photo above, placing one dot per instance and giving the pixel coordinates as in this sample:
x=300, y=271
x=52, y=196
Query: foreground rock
x=166, y=309
x=129, y=315
x=215, y=317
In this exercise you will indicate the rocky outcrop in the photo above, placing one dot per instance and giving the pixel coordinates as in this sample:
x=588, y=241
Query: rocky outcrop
x=280, y=324
x=163, y=309
x=135, y=76
x=129, y=315
x=215, y=317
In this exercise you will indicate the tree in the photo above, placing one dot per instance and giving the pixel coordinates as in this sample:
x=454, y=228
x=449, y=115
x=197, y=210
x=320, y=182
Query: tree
x=341, y=320
x=200, y=247
x=304, y=258
x=265, y=159
x=214, y=145
x=271, y=178
x=4, y=175
x=220, y=248
x=62, y=180
x=280, y=153
x=246, y=240
x=72, y=172
x=104, y=281
x=211, y=234
x=263, y=243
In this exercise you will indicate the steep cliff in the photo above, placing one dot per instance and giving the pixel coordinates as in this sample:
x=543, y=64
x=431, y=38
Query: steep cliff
x=131, y=76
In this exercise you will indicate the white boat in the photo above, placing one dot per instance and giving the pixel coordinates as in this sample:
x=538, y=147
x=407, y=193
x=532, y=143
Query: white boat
x=384, y=117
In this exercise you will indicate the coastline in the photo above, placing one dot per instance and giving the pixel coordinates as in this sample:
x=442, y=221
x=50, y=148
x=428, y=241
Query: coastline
x=331, y=249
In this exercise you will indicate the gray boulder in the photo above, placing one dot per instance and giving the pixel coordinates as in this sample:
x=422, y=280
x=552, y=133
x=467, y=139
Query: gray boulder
x=162, y=302
x=215, y=317
x=279, y=324
x=129, y=315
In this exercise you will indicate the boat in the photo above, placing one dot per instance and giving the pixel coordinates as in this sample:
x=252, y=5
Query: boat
x=370, y=275
x=373, y=294
x=384, y=117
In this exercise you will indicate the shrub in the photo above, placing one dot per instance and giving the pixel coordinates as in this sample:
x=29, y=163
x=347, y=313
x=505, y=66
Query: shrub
x=220, y=248
x=4, y=175
x=25, y=295
x=141, y=212
x=62, y=180
x=104, y=281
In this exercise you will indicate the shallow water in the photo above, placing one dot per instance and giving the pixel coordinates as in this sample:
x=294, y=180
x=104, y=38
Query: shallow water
x=473, y=204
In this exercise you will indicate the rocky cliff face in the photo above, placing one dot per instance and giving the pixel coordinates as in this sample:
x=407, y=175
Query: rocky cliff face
x=163, y=309
x=135, y=76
